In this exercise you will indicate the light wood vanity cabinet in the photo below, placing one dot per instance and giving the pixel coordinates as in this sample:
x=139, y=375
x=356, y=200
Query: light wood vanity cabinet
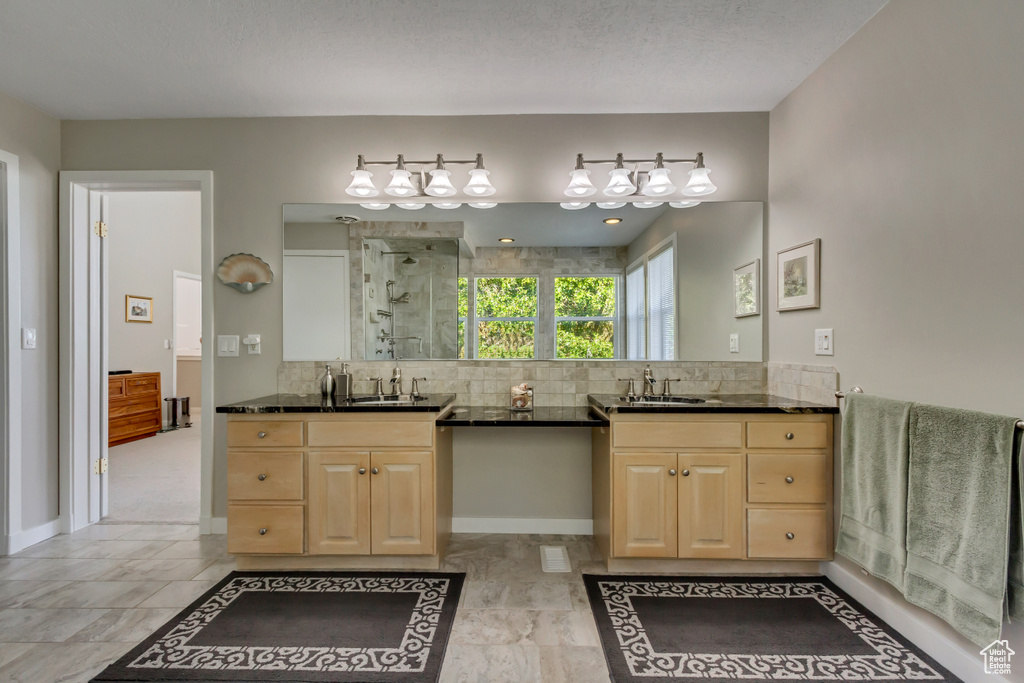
x=704, y=486
x=366, y=489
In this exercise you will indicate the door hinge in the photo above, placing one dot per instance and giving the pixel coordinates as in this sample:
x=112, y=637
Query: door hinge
x=99, y=466
x=100, y=228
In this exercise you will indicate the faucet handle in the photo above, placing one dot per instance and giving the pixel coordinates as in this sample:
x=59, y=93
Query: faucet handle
x=380, y=384
x=416, y=387
x=631, y=390
x=667, y=391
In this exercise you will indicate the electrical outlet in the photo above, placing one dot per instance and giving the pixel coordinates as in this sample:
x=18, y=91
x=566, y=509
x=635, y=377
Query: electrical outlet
x=28, y=337
x=734, y=343
x=253, y=342
x=823, y=342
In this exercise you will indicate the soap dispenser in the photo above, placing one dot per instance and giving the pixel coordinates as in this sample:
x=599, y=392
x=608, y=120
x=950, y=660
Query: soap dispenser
x=343, y=383
x=327, y=384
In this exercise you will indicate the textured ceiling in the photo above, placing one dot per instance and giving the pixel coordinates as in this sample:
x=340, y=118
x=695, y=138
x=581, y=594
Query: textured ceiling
x=101, y=59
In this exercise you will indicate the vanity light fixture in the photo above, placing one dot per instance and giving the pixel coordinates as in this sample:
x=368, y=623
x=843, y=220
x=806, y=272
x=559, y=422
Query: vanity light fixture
x=610, y=205
x=410, y=206
x=574, y=206
x=612, y=221
x=683, y=204
x=375, y=206
x=415, y=183
x=482, y=205
x=647, y=205
x=506, y=240
x=447, y=205
x=639, y=181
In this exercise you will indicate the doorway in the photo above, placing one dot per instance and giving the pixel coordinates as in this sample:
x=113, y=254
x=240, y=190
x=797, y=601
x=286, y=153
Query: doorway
x=88, y=309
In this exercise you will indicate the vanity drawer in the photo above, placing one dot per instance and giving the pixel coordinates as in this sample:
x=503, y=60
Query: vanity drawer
x=769, y=531
x=264, y=433
x=281, y=526
x=672, y=434
x=787, y=478
x=371, y=434
x=771, y=434
x=264, y=476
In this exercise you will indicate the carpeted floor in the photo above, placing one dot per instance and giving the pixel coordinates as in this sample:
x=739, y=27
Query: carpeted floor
x=156, y=480
x=759, y=629
x=304, y=626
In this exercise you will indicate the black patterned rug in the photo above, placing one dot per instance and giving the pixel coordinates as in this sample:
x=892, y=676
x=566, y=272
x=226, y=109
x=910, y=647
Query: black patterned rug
x=303, y=626
x=747, y=628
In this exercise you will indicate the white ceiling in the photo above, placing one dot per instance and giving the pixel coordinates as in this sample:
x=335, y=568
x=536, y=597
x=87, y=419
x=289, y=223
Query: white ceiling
x=106, y=59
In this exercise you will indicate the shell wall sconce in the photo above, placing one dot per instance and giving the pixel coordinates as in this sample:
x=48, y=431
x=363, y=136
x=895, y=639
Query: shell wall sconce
x=244, y=272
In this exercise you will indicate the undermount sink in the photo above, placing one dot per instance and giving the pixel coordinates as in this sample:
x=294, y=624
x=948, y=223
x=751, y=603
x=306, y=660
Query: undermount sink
x=386, y=400
x=659, y=400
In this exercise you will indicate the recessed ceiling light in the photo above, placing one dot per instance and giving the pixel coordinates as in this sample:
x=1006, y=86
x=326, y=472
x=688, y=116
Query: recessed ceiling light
x=347, y=220
x=505, y=239
x=612, y=221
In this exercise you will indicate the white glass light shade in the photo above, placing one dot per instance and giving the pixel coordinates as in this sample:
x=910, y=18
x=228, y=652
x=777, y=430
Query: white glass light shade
x=574, y=206
x=683, y=205
x=610, y=205
x=620, y=185
x=447, y=205
x=647, y=205
x=361, y=185
x=483, y=205
x=400, y=185
x=580, y=185
x=658, y=184
x=700, y=184
x=439, y=185
x=376, y=206
x=479, y=185
x=410, y=206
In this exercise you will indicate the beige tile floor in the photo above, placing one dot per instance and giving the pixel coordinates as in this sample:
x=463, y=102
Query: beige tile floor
x=73, y=604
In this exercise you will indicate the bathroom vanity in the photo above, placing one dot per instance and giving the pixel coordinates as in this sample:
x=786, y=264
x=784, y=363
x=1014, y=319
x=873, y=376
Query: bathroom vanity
x=314, y=485
x=738, y=483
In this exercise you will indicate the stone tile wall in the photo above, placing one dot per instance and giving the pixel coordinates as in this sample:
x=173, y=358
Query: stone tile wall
x=815, y=383
x=555, y=383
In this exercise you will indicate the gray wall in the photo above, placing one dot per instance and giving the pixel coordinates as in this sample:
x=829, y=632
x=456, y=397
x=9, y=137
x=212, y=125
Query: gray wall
x=904, y=154
x=151, y=234
x=35, y=138
x=711, y=240
x=261, y=163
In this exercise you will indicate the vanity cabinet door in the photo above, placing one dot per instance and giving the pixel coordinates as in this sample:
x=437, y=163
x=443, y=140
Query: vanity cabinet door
x=644, y=492
x=402, y=503
x=339, y=503
x=711, y=505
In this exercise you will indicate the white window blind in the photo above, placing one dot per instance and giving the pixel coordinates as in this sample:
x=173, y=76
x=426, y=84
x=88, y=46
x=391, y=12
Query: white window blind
x=635, y=319
x=661, y=304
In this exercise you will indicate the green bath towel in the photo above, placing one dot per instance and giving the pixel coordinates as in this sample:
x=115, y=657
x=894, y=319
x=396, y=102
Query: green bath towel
x=958, y=517
x=1015, y=588
x=875, y=453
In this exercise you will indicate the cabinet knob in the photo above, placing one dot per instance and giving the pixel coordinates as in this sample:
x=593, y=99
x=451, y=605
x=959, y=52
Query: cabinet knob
x=789, y=435
x=671, y=473
x=362, y=470
x=263, y=531
x=375, y=470
x=789, y=535
x=261, y=477
x=261, y=435
x=789, y=480
x=686, y=473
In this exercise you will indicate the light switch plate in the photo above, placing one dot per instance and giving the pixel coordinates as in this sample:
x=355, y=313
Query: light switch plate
x=227, y=345
x=28, y=337
x=734, y=343
x=823, y=342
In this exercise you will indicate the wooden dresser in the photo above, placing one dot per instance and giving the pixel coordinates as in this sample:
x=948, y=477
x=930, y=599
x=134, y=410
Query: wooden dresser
x=135, y=409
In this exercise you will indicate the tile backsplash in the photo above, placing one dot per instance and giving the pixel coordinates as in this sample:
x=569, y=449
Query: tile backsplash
x=814, y=383
x=555, y=383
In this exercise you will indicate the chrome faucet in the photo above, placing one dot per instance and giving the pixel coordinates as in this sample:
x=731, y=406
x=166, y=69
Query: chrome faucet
x=379, y=387
x=416, y=386
x=396, y=381
x=649, y=381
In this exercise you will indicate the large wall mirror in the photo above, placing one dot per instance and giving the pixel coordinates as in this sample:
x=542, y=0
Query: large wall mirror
x=436, y=283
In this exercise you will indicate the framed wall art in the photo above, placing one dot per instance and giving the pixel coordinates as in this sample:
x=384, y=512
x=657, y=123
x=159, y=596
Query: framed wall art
x=138, y=309
x=799, y=276
x=746, y=289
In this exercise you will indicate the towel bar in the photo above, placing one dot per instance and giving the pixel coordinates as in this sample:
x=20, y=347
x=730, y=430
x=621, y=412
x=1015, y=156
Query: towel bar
x=858, y=390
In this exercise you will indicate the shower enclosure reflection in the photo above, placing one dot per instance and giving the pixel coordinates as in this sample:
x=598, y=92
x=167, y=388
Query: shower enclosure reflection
x=410, y=304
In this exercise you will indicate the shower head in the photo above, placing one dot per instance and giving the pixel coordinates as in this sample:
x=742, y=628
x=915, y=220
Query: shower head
x=408, y=261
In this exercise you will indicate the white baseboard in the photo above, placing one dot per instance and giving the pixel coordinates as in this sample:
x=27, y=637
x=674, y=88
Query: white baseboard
x=965, y=663
x=213, y=525
x=513, y=525
x=14, y=543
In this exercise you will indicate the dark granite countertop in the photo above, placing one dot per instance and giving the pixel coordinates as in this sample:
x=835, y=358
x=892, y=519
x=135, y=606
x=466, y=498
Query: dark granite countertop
x=713, y=403
x=312, y=403
x=547, y=416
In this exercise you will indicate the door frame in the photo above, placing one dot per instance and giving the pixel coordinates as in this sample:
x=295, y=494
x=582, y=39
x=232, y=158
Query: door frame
x=175, y=276
x=10, y=351
x=76, y=419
